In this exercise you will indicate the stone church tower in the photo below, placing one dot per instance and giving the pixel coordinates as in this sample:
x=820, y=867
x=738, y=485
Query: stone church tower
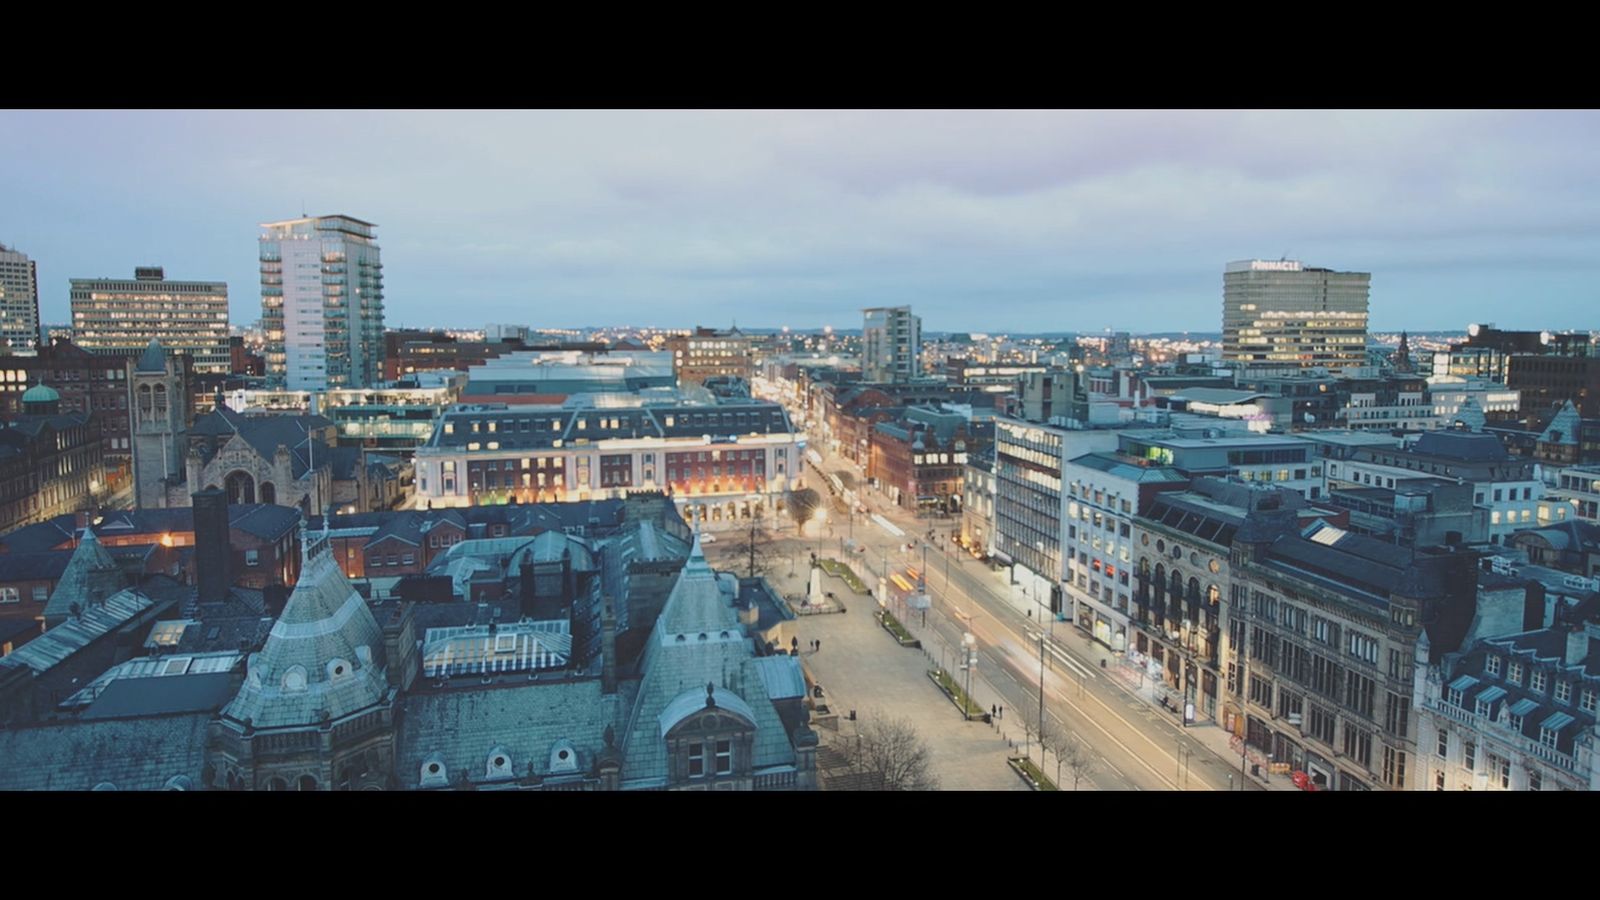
x=158, y=396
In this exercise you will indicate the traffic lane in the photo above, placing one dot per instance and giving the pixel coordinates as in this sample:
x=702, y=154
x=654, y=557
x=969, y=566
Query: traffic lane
x=1017, y=695
x=1166, y=736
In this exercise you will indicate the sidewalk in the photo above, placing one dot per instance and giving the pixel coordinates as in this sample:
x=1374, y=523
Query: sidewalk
x=860, y=668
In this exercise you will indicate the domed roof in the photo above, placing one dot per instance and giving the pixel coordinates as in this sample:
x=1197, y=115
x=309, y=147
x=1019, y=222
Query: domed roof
x=41, y=393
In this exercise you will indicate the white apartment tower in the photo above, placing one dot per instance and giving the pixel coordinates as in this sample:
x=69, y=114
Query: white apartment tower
x=322, y=303
x=1279, y=312
x=19, y=301
x=891, y=344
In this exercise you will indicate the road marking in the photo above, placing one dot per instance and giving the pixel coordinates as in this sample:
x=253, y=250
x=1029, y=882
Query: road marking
x=1062, y=657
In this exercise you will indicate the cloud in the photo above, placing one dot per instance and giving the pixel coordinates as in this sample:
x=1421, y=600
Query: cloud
x=1004, y=219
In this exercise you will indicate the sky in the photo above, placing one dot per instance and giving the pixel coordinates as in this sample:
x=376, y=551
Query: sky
x=980, y=220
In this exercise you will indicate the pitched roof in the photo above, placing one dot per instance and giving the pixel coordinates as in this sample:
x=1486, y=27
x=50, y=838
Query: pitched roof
x=90, y=577
x=530, y=722
x=77, y=632
x=324, y=655
x=137, y=754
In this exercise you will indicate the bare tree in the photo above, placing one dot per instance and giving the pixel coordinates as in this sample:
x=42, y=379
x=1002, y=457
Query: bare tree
x=753, y=547
x=1079, y=760
x=890, y=756
x=802, y=505
x=1044, y=731
x=1056, y=741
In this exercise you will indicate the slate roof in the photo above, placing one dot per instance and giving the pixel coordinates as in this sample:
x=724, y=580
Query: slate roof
x=264, y=520
x=137, y=754
x=58, y=643
x=133, y=697
x=698, y=641
x=46, y=566
x=535, y=427
x=90, y=577
x=312, y=661
x=529, y=721
x=1467, y=446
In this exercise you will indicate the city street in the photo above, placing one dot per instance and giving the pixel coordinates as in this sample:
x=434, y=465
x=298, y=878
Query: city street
x=1139, y=746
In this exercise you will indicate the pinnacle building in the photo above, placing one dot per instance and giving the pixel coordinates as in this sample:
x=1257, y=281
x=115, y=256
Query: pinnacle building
x=322, y=302
x=1282, y=313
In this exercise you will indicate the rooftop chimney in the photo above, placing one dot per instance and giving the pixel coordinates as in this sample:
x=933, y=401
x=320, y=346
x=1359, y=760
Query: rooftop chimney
x=1577, y=646
x=212, y=550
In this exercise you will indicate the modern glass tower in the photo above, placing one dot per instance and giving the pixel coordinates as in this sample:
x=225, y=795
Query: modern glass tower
x=322, y=302
x=19, y=301
x=1278, y=312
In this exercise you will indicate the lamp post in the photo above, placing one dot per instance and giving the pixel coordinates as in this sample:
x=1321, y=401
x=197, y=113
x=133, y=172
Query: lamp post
x=970, y=642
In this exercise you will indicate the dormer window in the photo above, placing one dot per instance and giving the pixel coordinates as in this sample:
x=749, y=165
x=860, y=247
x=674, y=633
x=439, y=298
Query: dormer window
x=338, y=669
x=724, y=757
x=1491, y=664
x=294, y=679
x=1547, y=737
x=1537, y=680
x=433, y=772
x=697, y=760
x=499, y=764
x=1514, y=673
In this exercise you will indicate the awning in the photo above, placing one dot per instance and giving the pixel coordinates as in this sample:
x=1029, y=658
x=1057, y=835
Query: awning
x=1463, y=683
x=1557, y=722
x=1524, y=706
x=1491, y=694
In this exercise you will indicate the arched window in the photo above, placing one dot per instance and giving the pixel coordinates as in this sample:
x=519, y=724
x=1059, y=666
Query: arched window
x=144, y=400
x=161, y=400
x=1161, y=582
x=308, y=782
x=1213, y=594
x=269, y=493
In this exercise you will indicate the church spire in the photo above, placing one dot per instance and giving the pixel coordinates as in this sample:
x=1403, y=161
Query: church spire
x=1402, y=356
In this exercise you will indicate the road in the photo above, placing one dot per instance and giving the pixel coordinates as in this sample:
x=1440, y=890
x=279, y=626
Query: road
x=1137, y=746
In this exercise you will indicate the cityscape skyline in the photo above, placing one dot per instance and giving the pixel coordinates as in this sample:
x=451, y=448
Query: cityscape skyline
x=990, y=221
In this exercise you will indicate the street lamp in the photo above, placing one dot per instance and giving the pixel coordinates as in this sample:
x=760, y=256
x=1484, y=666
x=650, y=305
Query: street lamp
x=970, y=642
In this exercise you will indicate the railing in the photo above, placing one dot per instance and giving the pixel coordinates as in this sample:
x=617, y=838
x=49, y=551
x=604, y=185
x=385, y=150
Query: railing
x=1551, y=755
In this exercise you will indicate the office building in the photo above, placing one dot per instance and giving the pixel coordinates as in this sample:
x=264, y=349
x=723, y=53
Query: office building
x=891, y=344
x=322, y=302
x=1281, y=312
x=19, y=301
x=708, y=352
x=119, y=317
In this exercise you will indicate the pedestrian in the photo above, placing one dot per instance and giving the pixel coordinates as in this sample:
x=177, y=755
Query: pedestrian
x=993, y=712
x=1002, y=712
x=819, y=645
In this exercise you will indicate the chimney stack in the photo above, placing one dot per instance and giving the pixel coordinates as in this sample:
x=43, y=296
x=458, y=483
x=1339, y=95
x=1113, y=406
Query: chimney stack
x=1577, y=646
x=212, y=549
